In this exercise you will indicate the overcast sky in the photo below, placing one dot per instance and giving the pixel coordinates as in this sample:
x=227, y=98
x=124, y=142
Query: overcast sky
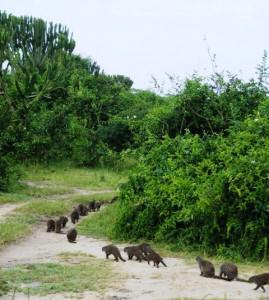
x=141, y=38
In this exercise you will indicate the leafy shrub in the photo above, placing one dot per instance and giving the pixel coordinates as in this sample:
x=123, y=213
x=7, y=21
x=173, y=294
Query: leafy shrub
x=210, y=192
x=4, y=174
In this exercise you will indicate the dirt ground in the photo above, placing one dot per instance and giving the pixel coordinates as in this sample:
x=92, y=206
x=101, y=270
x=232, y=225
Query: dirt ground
x=7, y=209
x=138, y=280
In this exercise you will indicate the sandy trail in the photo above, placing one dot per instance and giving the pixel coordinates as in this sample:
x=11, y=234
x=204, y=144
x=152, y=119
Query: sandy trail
x=140, y=280
x=7, y=209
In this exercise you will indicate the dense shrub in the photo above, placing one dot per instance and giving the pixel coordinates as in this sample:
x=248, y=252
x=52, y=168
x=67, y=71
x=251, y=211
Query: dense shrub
x=206, y=192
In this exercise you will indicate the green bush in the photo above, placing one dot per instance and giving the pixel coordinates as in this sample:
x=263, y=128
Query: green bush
x=209, y=193
x=8, y=174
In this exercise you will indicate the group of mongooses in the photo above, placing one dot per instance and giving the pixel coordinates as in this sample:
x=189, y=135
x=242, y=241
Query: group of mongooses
x=80, y=210
x=229, y=272
x=141, y=252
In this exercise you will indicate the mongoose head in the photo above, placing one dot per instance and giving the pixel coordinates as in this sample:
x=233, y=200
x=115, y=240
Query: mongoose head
x=198, y=259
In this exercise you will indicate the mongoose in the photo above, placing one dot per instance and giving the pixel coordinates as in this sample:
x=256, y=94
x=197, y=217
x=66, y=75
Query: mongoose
x=260, y=280
x=97, y=205
x=72, y=235
x=111, y=249
x=156, y=258
x=206, y=267
x=64, y=220
x=229, y=271
x=91, y=205
x=58, y=226
x=134, y=251
x=145, y=248
x=50, y=225
x=74, y=216
x=114, y=199
x=82, y=210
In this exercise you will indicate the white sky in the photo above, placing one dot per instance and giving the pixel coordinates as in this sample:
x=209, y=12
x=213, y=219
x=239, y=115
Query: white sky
x=140, y=38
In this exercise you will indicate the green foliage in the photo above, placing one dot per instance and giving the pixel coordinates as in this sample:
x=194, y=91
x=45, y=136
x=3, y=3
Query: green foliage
x=4, y=287
x=209, y=193
x=203, y=107
x=99, y=225
x=46, y=208
x=4, y=174
x=14, y=228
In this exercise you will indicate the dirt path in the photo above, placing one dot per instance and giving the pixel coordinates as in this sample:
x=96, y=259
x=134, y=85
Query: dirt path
x=7, y=209
x=140, y=281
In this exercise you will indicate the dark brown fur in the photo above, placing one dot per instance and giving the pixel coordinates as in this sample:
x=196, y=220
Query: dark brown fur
x=64, y=220
x=206, y=267
x=134, y=251
x=111, y=249
x=145, y=248
x=58, y=226
x=50, y=225
x=229, y=270
x=72, y=235
x=97, y=205
x=156, y=258
x=114, y=199
x=260, y=280
x=82, y=210
x=74, y=216
x=91, y=206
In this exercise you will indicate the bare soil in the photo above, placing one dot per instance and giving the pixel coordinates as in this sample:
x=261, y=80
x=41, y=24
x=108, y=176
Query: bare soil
x=7, y=209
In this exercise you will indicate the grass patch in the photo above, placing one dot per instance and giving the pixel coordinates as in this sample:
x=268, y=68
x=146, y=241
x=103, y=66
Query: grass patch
x=14, y=228
x=4, y=287
x=75, y=177
x=42, y=192
x=46, y=208
x=50, y=278
x=99, y=224
x=12, y=198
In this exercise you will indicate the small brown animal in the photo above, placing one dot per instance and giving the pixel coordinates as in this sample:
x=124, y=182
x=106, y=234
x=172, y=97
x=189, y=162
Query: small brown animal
x=97, y=205
x=145, y=248
x=50, y=225
x=72, y=235
x=111, y=249
x=134, y=251
x=114, y=199
x=156, y=258
x=58, y=226
x=64, y=220
x=260, y=280
x=91, y=205
x=82, y=210
x=229, y=270
x=206, y=267
x=74, y=216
